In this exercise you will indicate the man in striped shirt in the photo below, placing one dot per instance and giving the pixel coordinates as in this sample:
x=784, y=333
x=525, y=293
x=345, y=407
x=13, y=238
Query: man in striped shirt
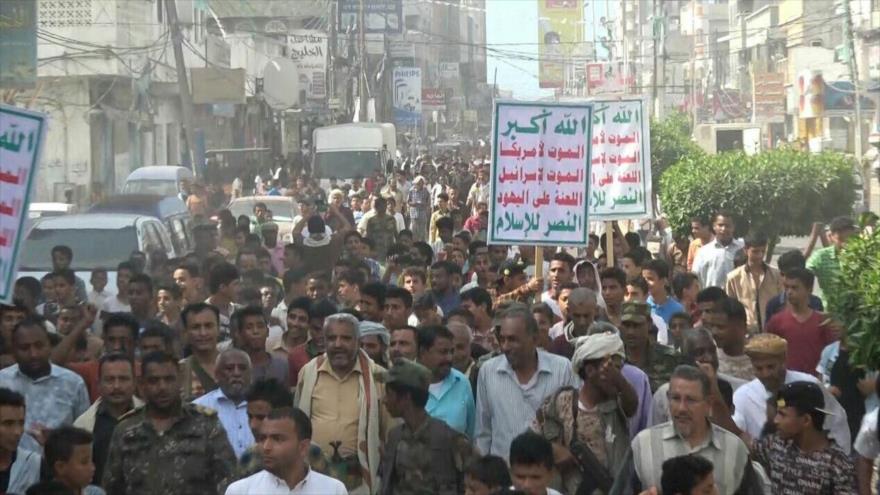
x=690, y=432
x=511, y=387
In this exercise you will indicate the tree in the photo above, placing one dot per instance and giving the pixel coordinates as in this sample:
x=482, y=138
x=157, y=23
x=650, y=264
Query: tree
x=670, y=143
x=856, y=298
x=778, y=192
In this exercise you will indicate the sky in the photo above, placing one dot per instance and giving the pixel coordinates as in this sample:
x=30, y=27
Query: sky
x=516, y=21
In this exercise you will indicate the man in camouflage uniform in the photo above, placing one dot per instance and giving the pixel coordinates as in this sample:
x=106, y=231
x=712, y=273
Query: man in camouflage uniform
x=166, y=447
x=642, y=350
x=381, y=229
x=423, y=455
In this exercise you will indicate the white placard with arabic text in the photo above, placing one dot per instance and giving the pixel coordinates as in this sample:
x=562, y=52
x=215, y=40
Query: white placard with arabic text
x=540, y=173
x=620, y=178
x=22, y=134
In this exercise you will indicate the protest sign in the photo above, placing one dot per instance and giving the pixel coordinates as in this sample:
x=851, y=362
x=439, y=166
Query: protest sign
x=540, y=173
x=620, y=177
x=22, y=134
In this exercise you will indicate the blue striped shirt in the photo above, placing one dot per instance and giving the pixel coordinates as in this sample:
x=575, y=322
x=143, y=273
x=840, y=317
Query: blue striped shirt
x=505, y=408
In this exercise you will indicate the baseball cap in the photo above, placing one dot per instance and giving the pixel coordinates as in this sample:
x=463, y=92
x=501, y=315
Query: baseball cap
x=806, y=397
x=408, y=373
x=635, y=311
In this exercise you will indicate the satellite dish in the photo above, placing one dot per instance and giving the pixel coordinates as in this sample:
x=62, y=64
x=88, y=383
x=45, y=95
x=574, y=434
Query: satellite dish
x=281, y=83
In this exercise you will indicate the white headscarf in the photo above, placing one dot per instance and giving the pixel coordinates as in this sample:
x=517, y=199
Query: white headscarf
x=596, y=346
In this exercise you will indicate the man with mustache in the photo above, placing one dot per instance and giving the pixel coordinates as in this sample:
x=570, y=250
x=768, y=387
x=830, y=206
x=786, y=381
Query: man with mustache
x=167, y=446
x=339, y=393
x=450, y=397
x=233, y=370
x=116, y=384
x=689, y=432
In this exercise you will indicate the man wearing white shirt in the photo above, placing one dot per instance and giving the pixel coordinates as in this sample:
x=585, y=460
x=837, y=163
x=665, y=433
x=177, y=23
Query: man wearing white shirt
x=233, y=370
x=287, y=435
x=715, y=259
x=767, y=352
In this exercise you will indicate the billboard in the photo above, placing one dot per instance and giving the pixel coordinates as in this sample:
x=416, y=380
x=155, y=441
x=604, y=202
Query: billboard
x=604, y=78
x=560, y=32
x=380, y=16
x=308, y=50
x=769, y=97
x=407, y=95
x=433, y=99
x=217, y=85
x=18, y=43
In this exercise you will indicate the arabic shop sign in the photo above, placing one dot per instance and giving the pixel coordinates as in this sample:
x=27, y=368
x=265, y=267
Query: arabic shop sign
x=620, y=176
x=540, y=173
x=22, y=134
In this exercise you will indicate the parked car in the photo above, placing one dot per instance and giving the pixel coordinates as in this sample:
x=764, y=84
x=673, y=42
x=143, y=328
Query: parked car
x=164, y=180
x=284, y=209
x=98, y=240
x=170, y=210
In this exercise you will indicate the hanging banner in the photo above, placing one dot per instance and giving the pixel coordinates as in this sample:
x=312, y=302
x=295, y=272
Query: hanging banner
x=22, y=134
x=308, y=50
x=560, y=32
x=407, y=95
x=18, y=43
x=620, y=178
x=540, y=173
x=380, y=16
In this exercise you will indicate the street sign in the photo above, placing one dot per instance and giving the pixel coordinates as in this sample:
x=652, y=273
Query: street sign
x=620, y=178
x=540, y=173
x=22, y=134
x=18, y=43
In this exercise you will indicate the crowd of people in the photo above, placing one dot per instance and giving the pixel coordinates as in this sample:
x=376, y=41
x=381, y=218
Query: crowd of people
x=388, y=349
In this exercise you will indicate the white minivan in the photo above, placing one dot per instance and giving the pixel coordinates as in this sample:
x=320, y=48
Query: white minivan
x=163, y=180
x=98, y=240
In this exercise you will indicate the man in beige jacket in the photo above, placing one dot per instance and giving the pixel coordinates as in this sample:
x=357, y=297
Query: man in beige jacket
x=117, y=386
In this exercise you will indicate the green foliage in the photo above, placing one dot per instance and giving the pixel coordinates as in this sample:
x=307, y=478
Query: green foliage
x=779, y=192
x=856, y=300
x=670, y=143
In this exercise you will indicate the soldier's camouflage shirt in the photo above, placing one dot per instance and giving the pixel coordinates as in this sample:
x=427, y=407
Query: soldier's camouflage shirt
x=192, y=457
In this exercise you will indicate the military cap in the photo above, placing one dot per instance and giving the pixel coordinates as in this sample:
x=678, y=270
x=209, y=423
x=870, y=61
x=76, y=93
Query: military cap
x=635, y=311
x=409, y=373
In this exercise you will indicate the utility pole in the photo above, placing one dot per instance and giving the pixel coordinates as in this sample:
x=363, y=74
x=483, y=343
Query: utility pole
x=659, y=77
x=362, y=51
x=854, y=75
x=182, y=83
x=694, y=64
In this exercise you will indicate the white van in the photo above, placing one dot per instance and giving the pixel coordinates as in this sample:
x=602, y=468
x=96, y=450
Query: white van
x=354, y=150
x=164, y=180
x=98, y=240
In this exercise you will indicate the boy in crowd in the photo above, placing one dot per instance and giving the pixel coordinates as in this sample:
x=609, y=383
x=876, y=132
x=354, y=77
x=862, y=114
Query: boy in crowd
x=531, y=464
x=656, y=273
x=68, y=456
x=806, y=330
x=688, y=475
x=486, y=475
